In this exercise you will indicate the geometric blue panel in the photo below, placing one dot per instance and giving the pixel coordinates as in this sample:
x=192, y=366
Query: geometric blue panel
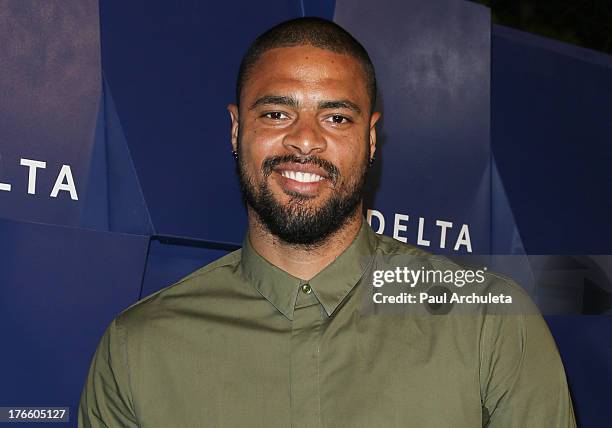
x=552, y=134
x=505, y=236
x=59, y=289
x=127, y=208
x=114, y=201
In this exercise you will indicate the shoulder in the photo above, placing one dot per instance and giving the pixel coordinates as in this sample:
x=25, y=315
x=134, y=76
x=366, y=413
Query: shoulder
x=172, y=298
x=386, y=245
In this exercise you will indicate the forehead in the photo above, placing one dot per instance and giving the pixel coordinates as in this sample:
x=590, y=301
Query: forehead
x=300, y=69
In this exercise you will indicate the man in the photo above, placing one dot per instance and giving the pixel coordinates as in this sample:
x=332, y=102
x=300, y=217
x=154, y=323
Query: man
x=280, y=333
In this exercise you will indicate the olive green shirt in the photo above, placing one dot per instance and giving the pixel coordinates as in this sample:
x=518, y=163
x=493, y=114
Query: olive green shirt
x=241, y=343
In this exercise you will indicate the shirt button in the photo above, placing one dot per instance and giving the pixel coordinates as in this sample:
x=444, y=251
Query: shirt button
x=306, y=289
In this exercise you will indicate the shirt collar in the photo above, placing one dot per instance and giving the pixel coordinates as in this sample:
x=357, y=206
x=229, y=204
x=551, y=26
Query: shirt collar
x=330, y=286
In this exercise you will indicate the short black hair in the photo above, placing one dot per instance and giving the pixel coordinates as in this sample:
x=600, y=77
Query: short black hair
x=312, y=31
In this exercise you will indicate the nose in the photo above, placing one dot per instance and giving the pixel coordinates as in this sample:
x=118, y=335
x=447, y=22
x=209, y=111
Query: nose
x=305, y=137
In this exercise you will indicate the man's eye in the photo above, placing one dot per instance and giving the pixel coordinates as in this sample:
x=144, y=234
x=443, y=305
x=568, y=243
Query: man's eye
x=275, y=115
x=338, y=119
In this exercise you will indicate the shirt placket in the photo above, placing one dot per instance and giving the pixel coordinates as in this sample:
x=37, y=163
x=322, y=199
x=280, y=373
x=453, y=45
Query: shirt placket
x=307, y=324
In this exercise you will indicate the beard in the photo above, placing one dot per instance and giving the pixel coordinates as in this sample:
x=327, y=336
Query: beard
x=295, y=222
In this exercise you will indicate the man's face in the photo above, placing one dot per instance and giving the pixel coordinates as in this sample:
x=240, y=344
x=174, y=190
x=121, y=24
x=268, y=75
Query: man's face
x=304, y=134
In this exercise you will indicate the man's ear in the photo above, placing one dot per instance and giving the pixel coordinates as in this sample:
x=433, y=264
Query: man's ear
x=375, y=116
x=233, y=111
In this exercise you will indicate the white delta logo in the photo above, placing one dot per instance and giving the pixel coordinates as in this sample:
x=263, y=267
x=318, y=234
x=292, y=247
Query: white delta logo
x=64, y=181
x=399, y=226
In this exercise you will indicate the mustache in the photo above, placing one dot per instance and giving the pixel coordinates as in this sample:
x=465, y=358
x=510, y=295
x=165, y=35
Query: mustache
x=270, y=163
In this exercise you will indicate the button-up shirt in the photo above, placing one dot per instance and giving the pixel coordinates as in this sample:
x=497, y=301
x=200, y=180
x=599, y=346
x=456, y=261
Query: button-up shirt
x=241, y=343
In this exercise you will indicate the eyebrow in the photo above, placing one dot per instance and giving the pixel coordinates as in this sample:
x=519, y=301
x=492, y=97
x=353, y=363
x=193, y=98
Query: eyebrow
x=275, y=100
x=345, y=104
x=292, y=102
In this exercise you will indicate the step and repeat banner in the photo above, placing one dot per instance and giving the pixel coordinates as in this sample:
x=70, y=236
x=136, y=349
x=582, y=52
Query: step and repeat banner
x=116, y=174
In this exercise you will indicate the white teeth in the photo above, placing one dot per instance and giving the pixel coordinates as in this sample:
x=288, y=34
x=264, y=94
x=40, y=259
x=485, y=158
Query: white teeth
x=302, y=177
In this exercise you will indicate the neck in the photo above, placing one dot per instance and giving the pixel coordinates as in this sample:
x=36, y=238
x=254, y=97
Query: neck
x=303, y=262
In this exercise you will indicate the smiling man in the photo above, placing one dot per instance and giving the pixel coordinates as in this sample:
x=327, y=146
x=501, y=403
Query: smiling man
x=279, y=333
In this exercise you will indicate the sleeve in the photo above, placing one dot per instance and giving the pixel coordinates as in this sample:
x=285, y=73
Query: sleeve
x=523, y=382
x=106, y=400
